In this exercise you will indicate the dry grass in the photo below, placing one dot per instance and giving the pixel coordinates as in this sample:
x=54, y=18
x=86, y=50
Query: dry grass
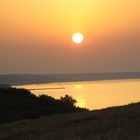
x=118, y=123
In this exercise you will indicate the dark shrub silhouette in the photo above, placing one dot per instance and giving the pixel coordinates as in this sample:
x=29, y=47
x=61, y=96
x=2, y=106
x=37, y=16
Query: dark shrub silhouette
x=68, y=100
x=17, y=104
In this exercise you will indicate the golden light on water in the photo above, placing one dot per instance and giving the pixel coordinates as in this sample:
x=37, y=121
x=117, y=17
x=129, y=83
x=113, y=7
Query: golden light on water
x=78, y=86
x=93, y=95
x=81, y=102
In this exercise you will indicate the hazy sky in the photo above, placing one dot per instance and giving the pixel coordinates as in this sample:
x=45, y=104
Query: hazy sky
x=35, y=36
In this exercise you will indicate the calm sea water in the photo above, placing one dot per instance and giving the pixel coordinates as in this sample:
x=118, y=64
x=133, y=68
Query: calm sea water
x=93, y=95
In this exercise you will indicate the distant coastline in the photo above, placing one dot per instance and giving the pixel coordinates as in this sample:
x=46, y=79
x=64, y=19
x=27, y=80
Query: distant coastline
x=24, y=79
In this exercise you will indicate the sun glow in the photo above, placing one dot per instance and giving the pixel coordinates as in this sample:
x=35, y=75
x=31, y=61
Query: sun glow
x=77, y=38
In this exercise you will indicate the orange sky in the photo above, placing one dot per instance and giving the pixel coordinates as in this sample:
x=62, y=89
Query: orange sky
x=35, y=36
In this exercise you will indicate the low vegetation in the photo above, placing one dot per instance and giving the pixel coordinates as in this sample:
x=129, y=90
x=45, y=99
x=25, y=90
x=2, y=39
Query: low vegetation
x=118, y=123
x=18, y=104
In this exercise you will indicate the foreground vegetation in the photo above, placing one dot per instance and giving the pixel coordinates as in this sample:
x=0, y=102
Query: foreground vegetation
x=19, y=104
x=118, y=123
x=36, y=118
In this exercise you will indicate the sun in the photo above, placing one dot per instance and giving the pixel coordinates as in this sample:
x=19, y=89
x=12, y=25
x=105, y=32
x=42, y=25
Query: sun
x=77, y=38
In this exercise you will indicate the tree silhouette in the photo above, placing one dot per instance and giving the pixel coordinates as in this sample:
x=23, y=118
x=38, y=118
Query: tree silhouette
x=18, y=104
x=68, y=100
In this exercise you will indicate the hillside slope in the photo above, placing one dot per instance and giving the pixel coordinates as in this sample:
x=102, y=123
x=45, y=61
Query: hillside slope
x=117, y=123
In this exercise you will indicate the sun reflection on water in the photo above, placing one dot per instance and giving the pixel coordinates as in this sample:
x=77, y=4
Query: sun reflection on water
x=78, y=86
x=81, y=102
x=93, y=95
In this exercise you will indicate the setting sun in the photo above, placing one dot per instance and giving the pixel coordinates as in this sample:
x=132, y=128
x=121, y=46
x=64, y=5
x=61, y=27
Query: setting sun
x=77, y=38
